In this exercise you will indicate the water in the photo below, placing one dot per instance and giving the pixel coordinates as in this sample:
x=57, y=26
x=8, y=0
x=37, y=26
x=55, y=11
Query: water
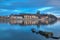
x=18, y=32
x=29, y=32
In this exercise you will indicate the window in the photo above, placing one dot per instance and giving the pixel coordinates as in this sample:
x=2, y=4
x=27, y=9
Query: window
x=19, y=17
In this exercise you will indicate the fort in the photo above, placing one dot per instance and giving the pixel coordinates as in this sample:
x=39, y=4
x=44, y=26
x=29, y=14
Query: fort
x=28, y=19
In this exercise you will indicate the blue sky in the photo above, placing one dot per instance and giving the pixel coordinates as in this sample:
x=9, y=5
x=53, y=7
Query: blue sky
x=18, y=6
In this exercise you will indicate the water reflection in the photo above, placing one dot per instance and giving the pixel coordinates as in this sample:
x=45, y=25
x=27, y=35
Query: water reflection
x=45, y=20
x=46, y=34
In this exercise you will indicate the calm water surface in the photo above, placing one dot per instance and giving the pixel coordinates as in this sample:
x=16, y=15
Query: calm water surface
x=18, y=32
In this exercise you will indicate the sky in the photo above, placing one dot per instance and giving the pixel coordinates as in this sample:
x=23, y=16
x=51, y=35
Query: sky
x=29, y=6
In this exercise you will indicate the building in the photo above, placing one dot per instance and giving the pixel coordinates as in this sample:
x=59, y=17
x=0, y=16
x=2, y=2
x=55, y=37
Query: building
x=35, y=19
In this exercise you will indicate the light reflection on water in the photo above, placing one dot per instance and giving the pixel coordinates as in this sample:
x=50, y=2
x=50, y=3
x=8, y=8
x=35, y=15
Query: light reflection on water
x=18, y=32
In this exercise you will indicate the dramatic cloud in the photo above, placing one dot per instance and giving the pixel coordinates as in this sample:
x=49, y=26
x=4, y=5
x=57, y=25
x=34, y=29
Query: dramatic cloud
x=45, y=8
x=17, y=6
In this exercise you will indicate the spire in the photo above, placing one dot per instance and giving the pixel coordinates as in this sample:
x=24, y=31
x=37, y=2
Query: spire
x=38, y=12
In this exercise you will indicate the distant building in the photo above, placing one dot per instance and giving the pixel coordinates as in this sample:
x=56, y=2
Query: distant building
x=28, y=19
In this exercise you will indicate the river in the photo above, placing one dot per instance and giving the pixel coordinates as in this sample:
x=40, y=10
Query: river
x=29, y=32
